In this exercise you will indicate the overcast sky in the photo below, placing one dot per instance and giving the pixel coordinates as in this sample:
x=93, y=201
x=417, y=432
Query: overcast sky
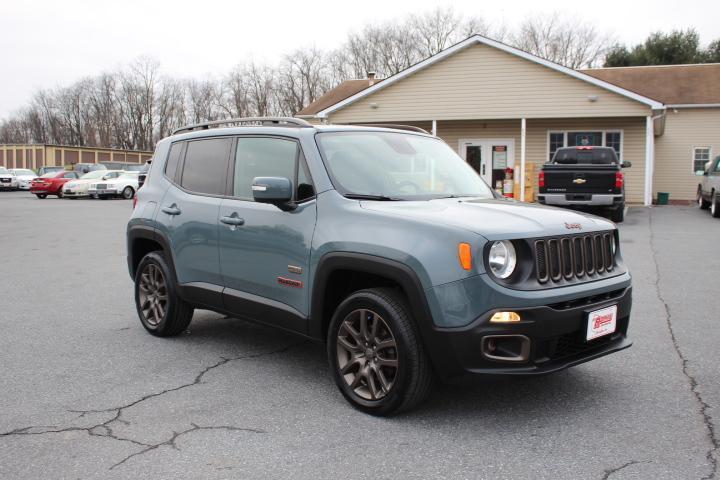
x=46, y=43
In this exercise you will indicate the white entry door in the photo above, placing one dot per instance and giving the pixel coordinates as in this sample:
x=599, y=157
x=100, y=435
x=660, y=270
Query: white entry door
x=489, y=158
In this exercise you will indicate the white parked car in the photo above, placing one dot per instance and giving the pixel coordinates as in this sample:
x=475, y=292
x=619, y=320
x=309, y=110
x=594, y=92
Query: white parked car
x=24, y=177
x=125, y=186
x=8, y=180
x=79, y=188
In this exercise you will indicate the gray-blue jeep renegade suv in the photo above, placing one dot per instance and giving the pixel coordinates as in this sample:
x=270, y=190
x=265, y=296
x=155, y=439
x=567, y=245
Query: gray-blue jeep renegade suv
x=380, y=242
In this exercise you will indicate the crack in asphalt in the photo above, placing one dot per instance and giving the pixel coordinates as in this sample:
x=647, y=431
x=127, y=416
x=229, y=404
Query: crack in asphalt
x=704, y=406
x=613, y=471
x=171, y=442
x=105, y=430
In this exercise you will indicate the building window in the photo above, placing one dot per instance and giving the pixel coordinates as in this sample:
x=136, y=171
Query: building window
x=701, y=155
x=557, y=140
x=614, y=140
x=570, y=138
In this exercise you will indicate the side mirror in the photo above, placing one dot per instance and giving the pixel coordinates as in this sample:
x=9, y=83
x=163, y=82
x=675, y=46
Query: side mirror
x=626, y=164
x=274, y=190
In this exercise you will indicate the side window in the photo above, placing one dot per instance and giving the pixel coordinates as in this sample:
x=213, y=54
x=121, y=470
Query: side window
x=205, y=167
x=262, y=157
x=173, y=160
x=70, y=175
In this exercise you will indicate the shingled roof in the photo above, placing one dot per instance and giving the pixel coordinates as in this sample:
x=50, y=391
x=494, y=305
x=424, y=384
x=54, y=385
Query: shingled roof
x=669, y=84
x=346, y=89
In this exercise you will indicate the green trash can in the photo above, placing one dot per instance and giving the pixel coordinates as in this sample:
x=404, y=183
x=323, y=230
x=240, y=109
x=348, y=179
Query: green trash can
x=663, y=198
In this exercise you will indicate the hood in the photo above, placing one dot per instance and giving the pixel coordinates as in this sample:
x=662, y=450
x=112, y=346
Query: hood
x=495, y=219
x=26, y=177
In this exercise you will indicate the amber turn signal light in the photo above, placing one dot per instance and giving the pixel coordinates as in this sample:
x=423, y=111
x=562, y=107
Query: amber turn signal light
x=465, y=256
x=505, y=317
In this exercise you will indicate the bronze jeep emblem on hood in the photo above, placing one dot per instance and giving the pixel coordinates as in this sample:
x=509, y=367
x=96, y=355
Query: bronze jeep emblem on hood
x=573, y=226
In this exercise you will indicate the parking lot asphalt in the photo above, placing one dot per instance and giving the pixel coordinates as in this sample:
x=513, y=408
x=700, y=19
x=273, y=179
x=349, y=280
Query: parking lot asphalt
x=85, y=392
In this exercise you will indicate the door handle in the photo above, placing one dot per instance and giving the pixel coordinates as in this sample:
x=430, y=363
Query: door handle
x=233, y=220
x=172, y=210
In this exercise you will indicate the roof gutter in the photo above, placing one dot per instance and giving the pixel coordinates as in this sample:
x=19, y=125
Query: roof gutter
x=694, y=105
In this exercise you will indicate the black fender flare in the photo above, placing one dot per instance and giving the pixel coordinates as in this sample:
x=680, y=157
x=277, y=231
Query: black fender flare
x=396, y=271
x=146, y=232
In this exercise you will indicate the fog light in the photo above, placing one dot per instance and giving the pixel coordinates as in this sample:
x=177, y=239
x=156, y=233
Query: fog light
x=505, y=317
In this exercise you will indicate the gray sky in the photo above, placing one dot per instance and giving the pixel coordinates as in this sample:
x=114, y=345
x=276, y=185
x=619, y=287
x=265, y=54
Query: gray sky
x=46, y=43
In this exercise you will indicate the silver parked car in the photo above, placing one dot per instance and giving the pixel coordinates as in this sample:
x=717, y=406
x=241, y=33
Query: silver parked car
x=708, y=192
x=24, y=176
x=8, y=180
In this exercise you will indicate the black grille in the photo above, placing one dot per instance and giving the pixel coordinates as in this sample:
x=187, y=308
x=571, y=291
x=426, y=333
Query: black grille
x=574, y=257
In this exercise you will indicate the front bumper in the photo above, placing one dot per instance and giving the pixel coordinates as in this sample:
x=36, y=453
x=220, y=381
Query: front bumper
x=75, y=193
x=555, y=338
x=8, y=186
x=569, y=199
x=103, y=191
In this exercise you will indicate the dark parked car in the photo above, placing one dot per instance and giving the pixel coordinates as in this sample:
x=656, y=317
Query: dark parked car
x=51, y=183
x=589, y=178
x=406, y=273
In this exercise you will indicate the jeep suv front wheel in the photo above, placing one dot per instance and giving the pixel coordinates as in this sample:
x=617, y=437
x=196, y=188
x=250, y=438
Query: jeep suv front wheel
x=161, y=311
x=376, y=355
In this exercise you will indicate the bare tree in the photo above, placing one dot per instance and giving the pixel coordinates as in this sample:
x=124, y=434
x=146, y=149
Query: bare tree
x=564, y=41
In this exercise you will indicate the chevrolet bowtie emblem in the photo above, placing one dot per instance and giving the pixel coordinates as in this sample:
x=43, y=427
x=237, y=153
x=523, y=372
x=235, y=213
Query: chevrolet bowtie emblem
x=579, y=181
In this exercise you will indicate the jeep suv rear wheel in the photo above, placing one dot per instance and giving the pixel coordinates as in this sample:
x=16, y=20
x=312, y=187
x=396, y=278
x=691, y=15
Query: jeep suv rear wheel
x=161, y=311
x=376, y=355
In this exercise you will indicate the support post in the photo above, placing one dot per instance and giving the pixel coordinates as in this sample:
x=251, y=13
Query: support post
x=523, y=132
x=649, y=160
x=434, y=128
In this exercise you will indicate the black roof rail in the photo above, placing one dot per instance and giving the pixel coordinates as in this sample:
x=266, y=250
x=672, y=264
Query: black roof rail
x=395, y=126
x=273, y=121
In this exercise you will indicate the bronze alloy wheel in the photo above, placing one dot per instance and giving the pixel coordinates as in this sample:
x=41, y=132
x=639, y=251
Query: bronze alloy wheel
x=367, y=354
x=153, y=294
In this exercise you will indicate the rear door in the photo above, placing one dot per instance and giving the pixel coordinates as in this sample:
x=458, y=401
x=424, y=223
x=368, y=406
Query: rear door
x=264, y=261
x=188, y=214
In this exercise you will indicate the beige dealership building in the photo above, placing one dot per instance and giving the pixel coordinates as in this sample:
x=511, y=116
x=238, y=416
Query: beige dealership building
x=502, y=107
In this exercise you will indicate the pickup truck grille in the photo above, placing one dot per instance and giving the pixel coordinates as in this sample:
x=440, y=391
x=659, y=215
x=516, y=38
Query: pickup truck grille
x=581, y=257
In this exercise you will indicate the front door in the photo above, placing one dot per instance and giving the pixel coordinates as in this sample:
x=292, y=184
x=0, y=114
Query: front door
x=489, y=158
x=265, y=257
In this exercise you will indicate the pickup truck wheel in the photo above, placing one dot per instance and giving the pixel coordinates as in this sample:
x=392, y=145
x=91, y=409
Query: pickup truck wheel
x=702, y=203
x=162, y=312
x=618, y=215
x=715, y=206
x=377, y=359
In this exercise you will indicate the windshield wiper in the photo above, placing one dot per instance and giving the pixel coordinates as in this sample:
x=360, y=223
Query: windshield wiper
x=362, y=196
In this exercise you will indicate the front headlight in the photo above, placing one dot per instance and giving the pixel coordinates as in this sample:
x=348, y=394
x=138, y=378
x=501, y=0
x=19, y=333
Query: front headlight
x=502, y=259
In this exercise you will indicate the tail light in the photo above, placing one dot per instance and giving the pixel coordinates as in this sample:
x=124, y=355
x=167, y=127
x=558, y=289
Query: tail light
x=134, y=201
x=619, y=179
x=541, y=179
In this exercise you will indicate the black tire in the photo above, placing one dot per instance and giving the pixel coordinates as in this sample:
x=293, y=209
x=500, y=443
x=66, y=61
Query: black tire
x=128, y=193
x=41, y=195
x=702, y=203
x=412, y=376
x=59, y=193
x=176, y=313
x=618, y=214
x=102, y=197
x=715, y=205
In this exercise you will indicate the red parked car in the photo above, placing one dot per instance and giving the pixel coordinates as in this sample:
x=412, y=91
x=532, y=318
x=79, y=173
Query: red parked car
x=51, y=183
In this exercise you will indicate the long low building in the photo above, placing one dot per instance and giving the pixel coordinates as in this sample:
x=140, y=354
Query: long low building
x=35, y=156
x=502, y=107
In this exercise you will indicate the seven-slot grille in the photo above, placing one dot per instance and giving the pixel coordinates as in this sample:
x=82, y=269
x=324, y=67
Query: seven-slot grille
x=574, y=257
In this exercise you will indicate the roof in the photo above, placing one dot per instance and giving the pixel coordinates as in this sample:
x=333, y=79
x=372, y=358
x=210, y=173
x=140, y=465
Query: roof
x=333, y=101
x=337, y=94
x=669, y=84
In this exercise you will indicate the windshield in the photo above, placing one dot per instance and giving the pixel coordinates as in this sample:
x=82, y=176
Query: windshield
x=49, y=175
x=397, y=166
x=22, y=171
x=94, y=175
